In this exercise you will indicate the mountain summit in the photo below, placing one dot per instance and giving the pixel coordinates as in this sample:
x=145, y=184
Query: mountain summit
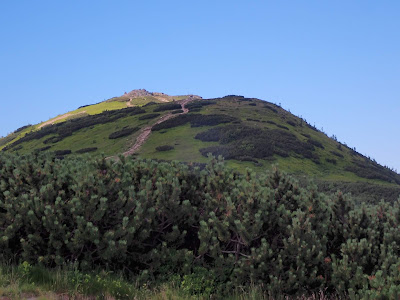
x=138, y=93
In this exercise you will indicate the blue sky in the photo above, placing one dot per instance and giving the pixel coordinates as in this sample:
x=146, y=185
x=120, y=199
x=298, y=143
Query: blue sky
x=336, y=63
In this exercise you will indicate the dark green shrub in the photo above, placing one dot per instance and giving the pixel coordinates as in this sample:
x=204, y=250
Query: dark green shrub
x=331, y=160
x=315, y=143
x=123, y=132
x=363, y=192
x=253, y=120
x=150, y=104
x=371, y=170
x=216, y=228
x=353, y=152
x=316, y=160
x=149, y=116
x=7, y=139
x=211, y=135
x=242, y=141
x=52, y=140
x=43, y=148
x=93, y=207
x=174, y=122
x=62, y=152
x=86, y=150
x=337, y=154
x=236, y=97
x=167, y=106
x=164, y=148
x=86, y=105
x=67, y=128
x=249, y=148
x=271, y=108
x=291, y=123
x=198, y=104
x=178, y=111
x=281, y=152
x=283, y=127
x=22, y=128
x=312, y=127
x=210, y=120
x=196, y=120
x=253, y=104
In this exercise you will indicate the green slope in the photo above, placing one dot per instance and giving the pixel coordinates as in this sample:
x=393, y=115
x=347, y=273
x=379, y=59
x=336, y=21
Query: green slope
x=330, y=159
x=114, y=103
x=247, y=132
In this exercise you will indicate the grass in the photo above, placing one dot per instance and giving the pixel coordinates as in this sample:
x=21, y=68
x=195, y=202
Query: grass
x=14, y=136
x=90, y=110
x=95, y=136
x=27, y=281
x=186, y=147
x=35, y=282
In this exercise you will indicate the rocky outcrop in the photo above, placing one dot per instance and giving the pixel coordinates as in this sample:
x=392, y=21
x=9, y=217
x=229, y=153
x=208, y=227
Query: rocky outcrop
x=138, y=93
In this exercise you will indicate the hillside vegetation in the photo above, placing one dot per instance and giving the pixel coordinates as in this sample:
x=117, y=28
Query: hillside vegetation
x=247, y=132
x=212, y=230
x=131, y=99
x=284, y=211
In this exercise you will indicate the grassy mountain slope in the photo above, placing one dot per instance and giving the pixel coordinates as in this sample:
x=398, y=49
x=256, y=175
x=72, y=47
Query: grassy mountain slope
x=131, y=99
x=247, y=132
x=304, y=149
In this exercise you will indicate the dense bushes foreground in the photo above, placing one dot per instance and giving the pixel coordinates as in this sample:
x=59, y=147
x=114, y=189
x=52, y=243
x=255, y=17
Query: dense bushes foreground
x=156, y=219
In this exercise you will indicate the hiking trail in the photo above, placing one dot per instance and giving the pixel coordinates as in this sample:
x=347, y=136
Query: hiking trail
x=145, y=132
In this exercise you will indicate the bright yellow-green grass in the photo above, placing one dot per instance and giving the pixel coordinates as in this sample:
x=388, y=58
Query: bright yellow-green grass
x=95, y=136
x=19, y=135
x=93, y=110
x=99, y=108
x=88, y=110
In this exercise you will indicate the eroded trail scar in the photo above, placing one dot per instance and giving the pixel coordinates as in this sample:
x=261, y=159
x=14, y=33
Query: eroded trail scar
x=145, y=132
x=52, y=121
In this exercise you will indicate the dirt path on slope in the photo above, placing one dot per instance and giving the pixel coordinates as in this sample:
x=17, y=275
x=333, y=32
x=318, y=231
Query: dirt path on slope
x=52, y=121
x=145, y=132
x=129, y=103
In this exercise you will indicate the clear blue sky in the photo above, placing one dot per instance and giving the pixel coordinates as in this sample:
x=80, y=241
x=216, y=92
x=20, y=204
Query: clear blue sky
x=336, y=63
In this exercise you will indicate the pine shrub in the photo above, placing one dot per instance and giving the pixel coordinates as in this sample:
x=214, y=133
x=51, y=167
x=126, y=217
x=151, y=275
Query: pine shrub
x=86, y=150
x=214, y=227
x=168, y=106
x=164, y=148
x=149, y=116
x=123, y=132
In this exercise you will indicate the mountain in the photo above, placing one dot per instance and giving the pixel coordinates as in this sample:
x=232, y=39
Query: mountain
x=247, y=132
